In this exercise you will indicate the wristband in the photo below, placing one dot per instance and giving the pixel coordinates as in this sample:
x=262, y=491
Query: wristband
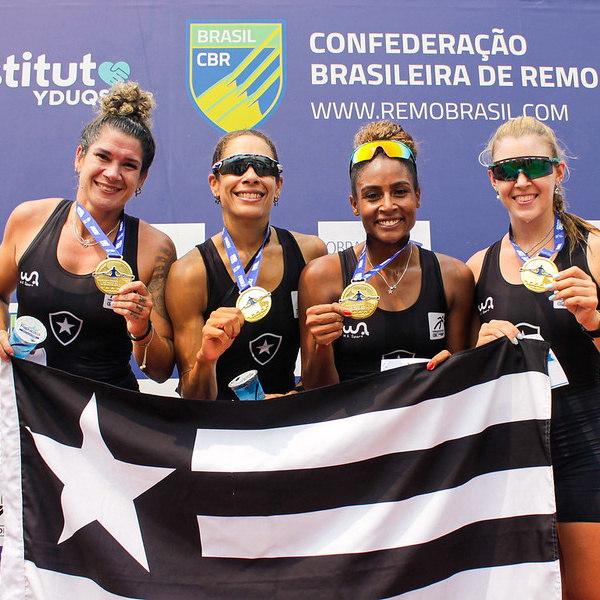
x=139, y=338
x=593, y=334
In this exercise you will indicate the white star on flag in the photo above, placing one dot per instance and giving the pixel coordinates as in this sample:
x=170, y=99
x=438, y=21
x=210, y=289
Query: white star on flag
x=99, y=487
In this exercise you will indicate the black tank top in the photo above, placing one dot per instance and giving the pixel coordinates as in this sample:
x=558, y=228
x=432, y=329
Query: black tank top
x=416, y=332
x=271, y=344
x=83, y=338
x=533, y=313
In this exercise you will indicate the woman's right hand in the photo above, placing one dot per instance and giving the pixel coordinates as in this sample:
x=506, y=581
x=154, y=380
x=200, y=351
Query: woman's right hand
x=6, y=351
x=325, y=321
x=219, y=331
x=496, y=329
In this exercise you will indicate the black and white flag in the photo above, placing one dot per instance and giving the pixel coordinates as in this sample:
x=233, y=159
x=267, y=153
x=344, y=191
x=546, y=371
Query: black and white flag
x=406, y=484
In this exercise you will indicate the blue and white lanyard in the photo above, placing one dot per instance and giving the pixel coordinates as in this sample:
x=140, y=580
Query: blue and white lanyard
x=112, y=250
x=559, y=242
x=243, y=281
x=359, y=272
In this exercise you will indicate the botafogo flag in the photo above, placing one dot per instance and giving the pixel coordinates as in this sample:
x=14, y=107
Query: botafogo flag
x=406, y=484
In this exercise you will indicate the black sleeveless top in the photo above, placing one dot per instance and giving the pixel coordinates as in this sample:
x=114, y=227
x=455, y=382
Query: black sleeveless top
x=533, y=313
x=269, y=345
x=416, y=332
x=83, y=338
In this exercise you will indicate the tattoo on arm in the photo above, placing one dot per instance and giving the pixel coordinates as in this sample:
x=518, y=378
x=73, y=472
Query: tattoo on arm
x=164, y=260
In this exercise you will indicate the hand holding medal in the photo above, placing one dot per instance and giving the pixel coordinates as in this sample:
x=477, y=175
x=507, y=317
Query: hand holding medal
x=360, y=297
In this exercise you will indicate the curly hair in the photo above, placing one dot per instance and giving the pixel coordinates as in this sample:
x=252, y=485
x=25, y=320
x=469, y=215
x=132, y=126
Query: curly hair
x=126, y=108
x=384, y=130
x=521, y=126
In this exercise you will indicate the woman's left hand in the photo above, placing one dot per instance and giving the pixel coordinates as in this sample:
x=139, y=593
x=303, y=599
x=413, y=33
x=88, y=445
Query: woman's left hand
x=134, y=302
x=578, y=292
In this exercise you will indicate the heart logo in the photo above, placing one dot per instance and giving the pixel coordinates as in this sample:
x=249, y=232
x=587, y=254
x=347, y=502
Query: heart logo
x=114, y=72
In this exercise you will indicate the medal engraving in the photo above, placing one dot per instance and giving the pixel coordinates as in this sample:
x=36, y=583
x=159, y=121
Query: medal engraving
x=360, y=298
x=111, y=274
x=254, y=302
x=537, y=272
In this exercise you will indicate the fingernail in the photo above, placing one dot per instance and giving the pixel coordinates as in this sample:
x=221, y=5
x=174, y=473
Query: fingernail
x=552, y=297
x=515, y=341
x=430, y=365
x=560, y=302
x=549, y=286
x=347, y=312
x=521, y=335
x=556, y=277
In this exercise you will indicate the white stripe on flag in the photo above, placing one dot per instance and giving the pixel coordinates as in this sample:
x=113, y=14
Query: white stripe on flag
x=385, y=525
x=532, y=581
x=516, y=398
x=11, y=565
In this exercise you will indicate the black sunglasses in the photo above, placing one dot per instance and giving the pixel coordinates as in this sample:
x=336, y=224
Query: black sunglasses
x=238, y=164
x=531, y=166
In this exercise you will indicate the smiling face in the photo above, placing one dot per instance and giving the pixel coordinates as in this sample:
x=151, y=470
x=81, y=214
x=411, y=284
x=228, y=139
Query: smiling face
x=386, y=200
x=246, y=195
x=527, y=200
x=109, y=172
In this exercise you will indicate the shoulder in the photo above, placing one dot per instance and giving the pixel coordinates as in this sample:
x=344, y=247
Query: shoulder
x=310, y=245
x=152, y=239
x=453, y=270
x=34, y=212
x=189, y=269
x=475, y=263
x=322, y=268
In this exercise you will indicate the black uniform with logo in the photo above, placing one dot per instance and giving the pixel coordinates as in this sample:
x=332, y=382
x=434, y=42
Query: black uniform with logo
x=83, y=338
x=416, y=332
x=269, y=345
x=575, y=426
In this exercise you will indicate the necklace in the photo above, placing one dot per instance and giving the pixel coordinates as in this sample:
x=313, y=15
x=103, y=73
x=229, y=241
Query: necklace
x=85, y=243
x=391, y=288
x=535, y=247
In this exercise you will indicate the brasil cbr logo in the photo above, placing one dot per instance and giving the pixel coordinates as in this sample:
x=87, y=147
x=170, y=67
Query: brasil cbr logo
x=236, y=72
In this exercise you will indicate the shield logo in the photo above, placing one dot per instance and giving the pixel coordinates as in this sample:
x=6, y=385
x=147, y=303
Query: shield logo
x=264, y=347
x=236, y=71
x=65, y=326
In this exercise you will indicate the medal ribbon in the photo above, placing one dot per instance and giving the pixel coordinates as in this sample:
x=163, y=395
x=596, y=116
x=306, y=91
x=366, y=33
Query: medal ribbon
x=112, y=250
x=359, y=272
x=243, y=281
x=559, y=242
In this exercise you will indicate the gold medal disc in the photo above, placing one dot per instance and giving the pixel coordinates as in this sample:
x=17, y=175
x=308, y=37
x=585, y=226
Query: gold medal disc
x=111, y=274
x=537, y=272
x=254, y=302
x=360, y=298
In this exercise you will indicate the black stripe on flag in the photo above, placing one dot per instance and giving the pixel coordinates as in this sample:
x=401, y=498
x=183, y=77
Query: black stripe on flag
x=403, y=484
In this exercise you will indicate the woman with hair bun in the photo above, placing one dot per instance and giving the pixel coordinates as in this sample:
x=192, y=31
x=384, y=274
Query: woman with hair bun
x=542, y=277
x=93, y=275
x=386, y=297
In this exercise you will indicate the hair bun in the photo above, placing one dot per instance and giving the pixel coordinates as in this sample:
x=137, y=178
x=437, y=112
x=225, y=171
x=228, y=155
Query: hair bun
x=128, y=99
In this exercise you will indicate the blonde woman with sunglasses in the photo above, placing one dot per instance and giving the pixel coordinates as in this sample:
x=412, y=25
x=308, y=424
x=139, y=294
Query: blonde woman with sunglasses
x=233, y=299
x=386, y=297
x=541, y=277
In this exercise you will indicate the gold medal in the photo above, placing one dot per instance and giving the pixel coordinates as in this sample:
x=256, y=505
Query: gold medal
x=537, y=272
x=254, y=302
x=111, y=274
x=360, y=298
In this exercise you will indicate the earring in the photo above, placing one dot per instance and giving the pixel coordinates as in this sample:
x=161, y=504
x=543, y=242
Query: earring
x=217, y=199
x=276, y=201
x=138, y=191
x=497, y=194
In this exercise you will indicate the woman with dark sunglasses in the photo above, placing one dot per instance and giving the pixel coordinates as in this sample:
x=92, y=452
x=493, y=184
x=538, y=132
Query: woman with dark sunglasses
x=386, y=297
x=541, y=277
x=233, y=299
